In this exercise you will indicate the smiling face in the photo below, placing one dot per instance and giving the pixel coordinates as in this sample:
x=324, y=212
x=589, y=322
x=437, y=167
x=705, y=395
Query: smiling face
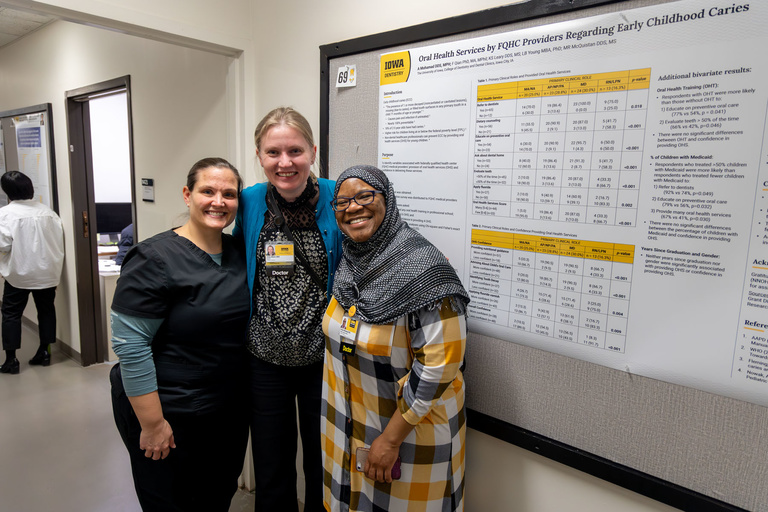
x=213, y=201
x=287, y=160
x=360, y=222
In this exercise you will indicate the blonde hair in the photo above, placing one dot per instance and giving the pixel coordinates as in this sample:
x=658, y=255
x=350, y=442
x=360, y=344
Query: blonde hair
x=284, y=116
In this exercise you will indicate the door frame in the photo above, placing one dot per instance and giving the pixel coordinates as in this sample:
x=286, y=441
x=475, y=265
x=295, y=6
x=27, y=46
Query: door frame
x=93, y=348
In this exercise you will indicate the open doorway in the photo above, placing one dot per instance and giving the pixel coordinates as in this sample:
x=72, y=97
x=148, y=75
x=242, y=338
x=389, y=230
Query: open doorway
x=103, y=199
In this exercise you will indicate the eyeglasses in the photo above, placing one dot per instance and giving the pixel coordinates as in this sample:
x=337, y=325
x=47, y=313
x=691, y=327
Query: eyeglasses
x=362, y=198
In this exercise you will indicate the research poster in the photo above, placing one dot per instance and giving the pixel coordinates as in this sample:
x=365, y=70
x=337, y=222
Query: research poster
x=601, y=185
x=32, y=149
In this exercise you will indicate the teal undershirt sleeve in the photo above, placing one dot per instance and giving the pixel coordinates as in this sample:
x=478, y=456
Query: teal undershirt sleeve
x=132, y=342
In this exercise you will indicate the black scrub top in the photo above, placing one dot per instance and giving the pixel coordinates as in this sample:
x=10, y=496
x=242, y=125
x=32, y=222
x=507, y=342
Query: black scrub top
x=199, y=350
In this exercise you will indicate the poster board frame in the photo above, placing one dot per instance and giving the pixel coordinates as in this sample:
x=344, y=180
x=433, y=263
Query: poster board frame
x=602, y=465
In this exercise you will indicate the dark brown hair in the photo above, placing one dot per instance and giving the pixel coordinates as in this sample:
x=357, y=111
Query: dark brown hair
x=211, y=162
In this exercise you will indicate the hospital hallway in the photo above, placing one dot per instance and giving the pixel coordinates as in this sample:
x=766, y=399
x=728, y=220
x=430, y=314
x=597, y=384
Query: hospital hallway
x=58, y=442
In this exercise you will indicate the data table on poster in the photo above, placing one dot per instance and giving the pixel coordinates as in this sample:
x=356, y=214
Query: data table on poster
x=566, y=148
x=572, y=290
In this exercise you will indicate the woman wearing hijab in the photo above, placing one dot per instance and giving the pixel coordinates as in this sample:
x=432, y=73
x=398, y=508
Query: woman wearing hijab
x=393, y=389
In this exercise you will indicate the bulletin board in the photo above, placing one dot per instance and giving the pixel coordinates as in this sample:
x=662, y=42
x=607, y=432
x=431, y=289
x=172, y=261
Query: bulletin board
x=26, y=145
x=597, y=172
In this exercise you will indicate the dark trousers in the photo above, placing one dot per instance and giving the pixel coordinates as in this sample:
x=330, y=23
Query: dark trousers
x=14, y=302
x=275, y=391
x=201, y=472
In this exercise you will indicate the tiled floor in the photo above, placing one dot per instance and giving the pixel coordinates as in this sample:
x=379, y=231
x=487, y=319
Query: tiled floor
x=59, y=447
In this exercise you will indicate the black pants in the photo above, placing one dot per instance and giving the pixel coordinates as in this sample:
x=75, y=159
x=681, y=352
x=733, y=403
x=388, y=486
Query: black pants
x=14, y=302
x=275, y=391
x=201, y=472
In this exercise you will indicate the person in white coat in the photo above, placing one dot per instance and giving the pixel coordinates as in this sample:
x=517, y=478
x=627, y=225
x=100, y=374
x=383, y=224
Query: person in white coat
x=31, y=259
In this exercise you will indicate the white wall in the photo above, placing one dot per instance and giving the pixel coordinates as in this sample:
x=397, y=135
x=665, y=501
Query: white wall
x=180, y=114
x=224, y=27
x=501, y=477
x=275, y=45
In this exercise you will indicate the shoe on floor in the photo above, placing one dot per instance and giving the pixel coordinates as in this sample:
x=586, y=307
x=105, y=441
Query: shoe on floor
x=10, y=366
x=41, y=359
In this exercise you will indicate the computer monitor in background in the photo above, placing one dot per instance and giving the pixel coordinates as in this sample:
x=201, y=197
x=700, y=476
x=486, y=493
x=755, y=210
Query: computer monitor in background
x=111, y=218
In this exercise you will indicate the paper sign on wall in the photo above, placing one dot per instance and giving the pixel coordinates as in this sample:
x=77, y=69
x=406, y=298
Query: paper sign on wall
x=347, y=77
x=148, y=190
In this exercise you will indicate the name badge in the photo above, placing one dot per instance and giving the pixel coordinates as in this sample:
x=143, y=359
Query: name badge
x=279, y=258
x=348, y=335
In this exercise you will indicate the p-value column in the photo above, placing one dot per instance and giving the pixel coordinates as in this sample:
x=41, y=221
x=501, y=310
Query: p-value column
x=618, y=304
x=633, y=147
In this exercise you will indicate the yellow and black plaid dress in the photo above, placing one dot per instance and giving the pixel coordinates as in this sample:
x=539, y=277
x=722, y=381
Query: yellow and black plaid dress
x=414, y=364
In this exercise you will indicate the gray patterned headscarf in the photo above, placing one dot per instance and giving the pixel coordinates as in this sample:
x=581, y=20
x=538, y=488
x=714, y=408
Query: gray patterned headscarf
x=397, y=270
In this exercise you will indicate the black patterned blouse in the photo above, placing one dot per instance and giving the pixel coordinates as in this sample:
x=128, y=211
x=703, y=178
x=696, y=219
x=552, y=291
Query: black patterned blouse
x=286, y=327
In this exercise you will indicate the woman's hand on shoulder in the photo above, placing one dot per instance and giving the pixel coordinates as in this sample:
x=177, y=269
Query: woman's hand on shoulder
x=157, y=441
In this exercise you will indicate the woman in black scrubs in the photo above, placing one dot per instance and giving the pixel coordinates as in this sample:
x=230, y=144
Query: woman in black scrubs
x=179, y=321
